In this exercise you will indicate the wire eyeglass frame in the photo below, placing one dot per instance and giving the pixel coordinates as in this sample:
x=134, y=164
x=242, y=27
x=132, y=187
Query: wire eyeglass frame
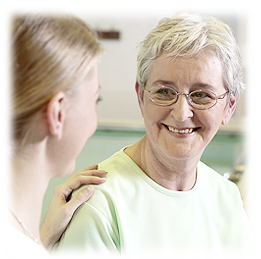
x=188, y=97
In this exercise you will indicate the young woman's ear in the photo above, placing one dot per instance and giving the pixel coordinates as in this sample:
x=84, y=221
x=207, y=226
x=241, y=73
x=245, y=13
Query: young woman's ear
x=230, y=110
x=56, y=115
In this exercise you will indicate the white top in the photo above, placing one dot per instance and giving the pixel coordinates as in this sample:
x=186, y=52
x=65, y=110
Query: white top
x=17, y=245
x=132, y=213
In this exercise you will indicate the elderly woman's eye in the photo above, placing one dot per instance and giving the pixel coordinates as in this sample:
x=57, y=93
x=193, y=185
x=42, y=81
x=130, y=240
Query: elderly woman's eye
x=200, y=95
x=164, y=91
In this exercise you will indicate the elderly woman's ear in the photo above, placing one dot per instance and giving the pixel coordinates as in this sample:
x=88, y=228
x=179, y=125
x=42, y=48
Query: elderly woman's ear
x=230, y=109
x=140, y=93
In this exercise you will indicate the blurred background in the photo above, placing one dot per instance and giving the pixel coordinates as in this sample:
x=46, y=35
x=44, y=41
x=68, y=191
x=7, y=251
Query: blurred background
x=120, y=120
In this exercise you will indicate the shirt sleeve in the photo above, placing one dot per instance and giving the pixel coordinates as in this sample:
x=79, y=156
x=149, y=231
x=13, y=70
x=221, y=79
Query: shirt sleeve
x=92, y=229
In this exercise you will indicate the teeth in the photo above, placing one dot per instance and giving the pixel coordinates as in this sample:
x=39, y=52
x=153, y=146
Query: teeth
x=180, y=131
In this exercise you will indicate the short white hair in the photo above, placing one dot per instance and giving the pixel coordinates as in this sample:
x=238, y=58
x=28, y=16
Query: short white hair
x=187, y=34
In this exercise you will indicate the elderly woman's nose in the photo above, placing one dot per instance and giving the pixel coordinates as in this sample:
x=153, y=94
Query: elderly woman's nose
x=181, y=110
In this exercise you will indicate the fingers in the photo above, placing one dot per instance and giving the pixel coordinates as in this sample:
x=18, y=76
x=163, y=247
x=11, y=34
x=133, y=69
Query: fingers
x=84, y=194
x=96, y=173
x=91, y=172
x=79, y=199
x=89, y=175
x=86, y=176
x=80, y=178
x=83, y=180
x=92, y=167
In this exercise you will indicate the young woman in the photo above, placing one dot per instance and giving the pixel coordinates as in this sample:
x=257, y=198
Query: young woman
x=55, y=91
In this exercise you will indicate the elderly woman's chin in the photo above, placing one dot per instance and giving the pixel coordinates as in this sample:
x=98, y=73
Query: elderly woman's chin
x=184, y=144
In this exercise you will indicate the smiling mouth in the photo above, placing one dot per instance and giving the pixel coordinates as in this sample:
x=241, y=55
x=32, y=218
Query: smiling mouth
x=181, y=131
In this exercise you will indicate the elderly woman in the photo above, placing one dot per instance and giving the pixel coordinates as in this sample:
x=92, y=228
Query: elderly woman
x=158, y=195
x=55, y=91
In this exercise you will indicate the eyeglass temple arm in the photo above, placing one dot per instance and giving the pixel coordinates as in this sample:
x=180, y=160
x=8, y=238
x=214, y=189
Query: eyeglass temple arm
x=222, y=96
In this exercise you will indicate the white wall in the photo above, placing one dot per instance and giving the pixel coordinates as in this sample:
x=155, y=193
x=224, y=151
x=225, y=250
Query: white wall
x=118, y=65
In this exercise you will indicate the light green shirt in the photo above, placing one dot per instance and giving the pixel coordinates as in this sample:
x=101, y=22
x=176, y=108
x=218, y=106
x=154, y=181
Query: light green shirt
x=132, y=213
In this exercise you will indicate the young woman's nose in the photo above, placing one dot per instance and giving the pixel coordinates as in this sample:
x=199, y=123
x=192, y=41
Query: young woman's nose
x=181, y=110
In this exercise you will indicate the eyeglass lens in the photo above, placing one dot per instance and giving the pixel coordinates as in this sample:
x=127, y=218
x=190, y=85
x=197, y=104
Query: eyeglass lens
x=201, y=99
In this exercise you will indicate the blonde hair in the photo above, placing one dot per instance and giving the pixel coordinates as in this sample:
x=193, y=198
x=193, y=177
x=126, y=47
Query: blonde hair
x=50, y=53
x=187, y=34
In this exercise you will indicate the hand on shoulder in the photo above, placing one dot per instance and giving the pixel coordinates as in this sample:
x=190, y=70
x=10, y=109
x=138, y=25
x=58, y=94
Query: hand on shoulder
x=62, y=206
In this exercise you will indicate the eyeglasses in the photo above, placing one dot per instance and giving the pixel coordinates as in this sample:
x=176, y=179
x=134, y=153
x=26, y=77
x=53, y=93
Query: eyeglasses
x=199, y=99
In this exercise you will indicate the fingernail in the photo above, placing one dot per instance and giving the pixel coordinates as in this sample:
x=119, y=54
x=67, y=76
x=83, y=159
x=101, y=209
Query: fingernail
x=89, y=189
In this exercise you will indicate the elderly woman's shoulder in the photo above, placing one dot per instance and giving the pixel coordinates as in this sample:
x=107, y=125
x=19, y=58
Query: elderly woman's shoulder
x=215, y=181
